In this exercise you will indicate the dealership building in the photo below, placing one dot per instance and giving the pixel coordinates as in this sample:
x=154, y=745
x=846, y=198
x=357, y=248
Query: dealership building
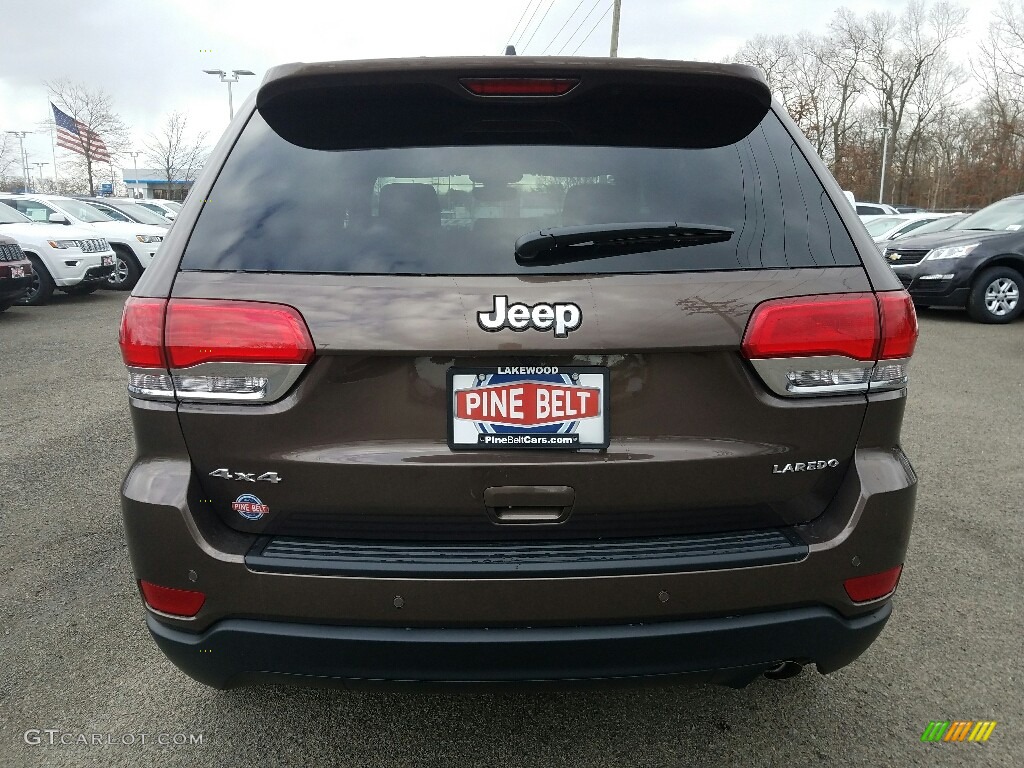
x=152, y=182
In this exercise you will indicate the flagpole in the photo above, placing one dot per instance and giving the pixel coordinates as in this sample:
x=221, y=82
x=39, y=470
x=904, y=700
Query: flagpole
x=53, y=147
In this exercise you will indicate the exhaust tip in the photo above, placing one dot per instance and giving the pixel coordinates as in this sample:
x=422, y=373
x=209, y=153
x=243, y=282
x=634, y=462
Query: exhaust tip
x=784, y=671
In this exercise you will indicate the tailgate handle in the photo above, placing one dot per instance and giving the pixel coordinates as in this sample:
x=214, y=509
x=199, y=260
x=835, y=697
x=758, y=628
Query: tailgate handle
x=529, y=503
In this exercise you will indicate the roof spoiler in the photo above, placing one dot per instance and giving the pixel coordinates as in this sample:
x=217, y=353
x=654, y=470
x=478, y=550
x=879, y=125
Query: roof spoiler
x=426, y=102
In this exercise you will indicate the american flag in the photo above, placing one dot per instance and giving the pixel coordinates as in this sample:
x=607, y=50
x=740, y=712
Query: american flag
x=76, y=136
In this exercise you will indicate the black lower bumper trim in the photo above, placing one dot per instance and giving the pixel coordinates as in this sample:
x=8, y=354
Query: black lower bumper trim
x=238, y=651
x=97, y=274
x=547, y=559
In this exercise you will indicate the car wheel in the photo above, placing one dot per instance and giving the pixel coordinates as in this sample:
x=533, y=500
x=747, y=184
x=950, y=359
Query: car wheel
x=126, y=271
x=42, y=286
x=82, y=289
x=996, y=296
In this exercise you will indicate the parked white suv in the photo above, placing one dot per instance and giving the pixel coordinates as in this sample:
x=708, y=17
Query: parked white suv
x=72, y=259
x=134, y=244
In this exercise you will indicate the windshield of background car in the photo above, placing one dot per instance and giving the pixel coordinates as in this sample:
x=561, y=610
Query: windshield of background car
x=10, y=216
x=141, y=214
x=112, y=213
x=173, y=205
x=458, y=210
x=81, y=211
x=941, y=224
x=882, y=225
x=1006, y=214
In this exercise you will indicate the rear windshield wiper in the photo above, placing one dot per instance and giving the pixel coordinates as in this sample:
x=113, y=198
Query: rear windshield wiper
x=562, y=245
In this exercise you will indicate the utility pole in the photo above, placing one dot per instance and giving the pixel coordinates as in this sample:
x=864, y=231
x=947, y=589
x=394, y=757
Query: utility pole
x=135, y=156
x=229, y=79
x=616, y=12
x=39, y=167
x=24, y=160
x=885, y=147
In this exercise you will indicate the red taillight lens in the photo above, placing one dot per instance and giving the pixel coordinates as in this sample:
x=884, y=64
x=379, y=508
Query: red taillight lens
x=200, y=331
x=871, y=587
x=519, y=86
x=142, y=331
x=899, y=325
x=810, y=326
x=177, y=602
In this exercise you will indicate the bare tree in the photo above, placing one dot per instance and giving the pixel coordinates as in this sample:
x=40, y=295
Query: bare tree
x=842, y=53
x=105, y=134
x=178, y=155
x=8, y=154
x=902, y=49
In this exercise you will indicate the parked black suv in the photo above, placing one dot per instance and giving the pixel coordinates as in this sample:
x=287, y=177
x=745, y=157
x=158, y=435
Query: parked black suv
x=515, y=369
x=15, y=272
x=978, y=263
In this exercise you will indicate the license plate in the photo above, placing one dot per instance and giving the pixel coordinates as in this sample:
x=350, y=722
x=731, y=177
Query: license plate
x=512, y=407
x=17, y=271
x=106, y=261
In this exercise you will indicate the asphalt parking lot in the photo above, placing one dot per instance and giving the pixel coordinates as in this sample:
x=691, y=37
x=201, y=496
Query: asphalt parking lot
x=75, y=656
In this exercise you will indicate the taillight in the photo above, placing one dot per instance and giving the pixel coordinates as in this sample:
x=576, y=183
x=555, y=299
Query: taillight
x=175, y=602
x=201, y=331
x=899, y=325
x=874, y=585
x=212, y=350
x=141, y=334
x=833, y=344
x=519, y=86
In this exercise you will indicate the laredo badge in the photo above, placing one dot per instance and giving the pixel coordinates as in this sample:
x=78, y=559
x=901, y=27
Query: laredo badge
x=250, y=507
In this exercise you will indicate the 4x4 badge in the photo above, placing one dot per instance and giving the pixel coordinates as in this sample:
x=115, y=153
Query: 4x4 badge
x=561, y=316
x=248, y=477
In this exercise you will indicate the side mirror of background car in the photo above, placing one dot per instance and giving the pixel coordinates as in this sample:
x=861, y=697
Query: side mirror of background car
x=58, y=218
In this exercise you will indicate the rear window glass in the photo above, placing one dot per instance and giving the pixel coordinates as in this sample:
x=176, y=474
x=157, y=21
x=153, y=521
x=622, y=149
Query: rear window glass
x=458, y=210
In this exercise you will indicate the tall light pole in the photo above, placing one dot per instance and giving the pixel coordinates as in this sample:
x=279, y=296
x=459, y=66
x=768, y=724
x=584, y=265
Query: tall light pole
x=885, y=146
x=39, y=167
x=229, y=79
x=24, y=160
x=135, y=156
x=616, y=12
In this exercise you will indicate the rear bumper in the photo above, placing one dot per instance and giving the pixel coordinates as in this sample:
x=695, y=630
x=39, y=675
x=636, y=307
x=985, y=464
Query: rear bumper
x=731, y=650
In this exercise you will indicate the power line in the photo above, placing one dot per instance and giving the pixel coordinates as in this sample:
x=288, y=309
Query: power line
x=580, y=26
x=528, y=23
x=564, y=25
x=593, y=28
x=521, y=17
x=539, y=25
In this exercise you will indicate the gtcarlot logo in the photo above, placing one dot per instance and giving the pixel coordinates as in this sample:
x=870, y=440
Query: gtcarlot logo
x=56, y=737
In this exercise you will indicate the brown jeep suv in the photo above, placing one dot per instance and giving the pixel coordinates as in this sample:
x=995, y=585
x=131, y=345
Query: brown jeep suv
x=516, y=369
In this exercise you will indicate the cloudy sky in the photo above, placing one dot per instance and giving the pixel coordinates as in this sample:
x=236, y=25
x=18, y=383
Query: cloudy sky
x=149, y=55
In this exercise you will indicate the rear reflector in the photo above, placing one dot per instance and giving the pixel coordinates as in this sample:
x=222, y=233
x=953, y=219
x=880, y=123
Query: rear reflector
x=141, y=334
x=519, y=86
x=834, y=344
x=871, y=587
x=200, y=331
x=176, y=602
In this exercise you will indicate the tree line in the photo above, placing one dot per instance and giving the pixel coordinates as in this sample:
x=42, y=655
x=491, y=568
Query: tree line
x=953, y=131
x=176, y=152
